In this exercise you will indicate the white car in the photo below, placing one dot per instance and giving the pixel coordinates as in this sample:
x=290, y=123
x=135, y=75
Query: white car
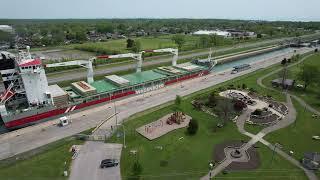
x=316, y=137
x=64, y=121
x=300, y=86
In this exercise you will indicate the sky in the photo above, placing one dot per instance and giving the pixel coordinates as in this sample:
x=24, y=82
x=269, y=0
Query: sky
x=293, y=10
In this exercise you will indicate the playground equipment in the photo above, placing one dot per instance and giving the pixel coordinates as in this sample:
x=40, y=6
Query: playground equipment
x=176, y=117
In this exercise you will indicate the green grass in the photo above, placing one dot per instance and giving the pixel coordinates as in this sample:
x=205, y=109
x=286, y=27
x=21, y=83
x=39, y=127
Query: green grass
x=298, y=136
x=181, y=155
x=311, y=95
x=276, y=168
x=48, y=164
x=191, y=154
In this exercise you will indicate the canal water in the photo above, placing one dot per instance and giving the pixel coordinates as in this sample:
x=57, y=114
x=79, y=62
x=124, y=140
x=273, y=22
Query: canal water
x=248, y=60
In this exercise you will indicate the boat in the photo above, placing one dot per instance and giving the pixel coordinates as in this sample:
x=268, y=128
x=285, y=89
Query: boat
x=240, y=68
x=28, y=99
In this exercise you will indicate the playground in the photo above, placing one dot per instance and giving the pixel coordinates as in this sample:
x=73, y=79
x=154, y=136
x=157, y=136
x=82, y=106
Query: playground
x=164, y=125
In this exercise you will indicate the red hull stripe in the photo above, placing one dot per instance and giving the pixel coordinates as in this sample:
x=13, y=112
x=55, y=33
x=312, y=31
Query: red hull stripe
x=38, y=117
x=35, y=118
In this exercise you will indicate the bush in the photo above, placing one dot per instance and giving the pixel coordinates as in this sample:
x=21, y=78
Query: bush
x=252, y=90
x=212, y=99
x=193, y=127
x=136, y=170
x=239, y=105
x=257, y=112
x=244, y=86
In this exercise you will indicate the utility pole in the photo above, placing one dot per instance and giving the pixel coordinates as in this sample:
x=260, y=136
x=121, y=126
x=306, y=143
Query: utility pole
x=276, y=145
x=115, y=111
x=124, y=135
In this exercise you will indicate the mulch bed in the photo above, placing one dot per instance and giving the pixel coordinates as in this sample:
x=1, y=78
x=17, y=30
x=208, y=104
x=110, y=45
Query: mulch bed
x=219, y=155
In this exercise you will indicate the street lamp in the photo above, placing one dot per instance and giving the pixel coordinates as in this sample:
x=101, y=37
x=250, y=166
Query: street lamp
x=124, y=135
x=211, y=165
x=115, y=111
x=276, y=145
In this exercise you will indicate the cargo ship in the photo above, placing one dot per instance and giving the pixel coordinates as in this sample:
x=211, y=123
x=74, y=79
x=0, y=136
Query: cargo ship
x=28, y=99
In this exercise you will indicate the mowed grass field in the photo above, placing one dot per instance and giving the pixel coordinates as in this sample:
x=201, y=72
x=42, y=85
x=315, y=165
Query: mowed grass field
x=49, y=164
x=119, y=46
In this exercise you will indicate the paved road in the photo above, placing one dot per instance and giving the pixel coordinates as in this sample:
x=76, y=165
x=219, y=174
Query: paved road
x=82, y=74
x=86, y=165
x=32, y=137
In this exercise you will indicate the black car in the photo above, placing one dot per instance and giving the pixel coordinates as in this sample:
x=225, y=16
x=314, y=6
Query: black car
x=109, y=163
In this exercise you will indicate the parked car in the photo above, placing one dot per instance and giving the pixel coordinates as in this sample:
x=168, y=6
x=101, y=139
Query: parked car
x=109, y=163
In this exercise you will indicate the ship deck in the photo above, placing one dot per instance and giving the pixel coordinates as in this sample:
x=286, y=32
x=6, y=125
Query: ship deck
x=144, y=77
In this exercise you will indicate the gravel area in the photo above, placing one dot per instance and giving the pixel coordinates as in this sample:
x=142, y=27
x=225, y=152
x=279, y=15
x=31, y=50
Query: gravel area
x=219, y=155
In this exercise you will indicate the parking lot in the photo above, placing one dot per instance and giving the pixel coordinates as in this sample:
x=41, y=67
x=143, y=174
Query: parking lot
x=87, y=164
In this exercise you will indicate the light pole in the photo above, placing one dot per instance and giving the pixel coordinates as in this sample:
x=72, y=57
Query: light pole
x=276, y=145
x=115, y=111
x=124, y=135
x=210, y=169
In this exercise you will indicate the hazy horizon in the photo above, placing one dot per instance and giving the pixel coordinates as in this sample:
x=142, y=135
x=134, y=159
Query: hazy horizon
x=271, y=10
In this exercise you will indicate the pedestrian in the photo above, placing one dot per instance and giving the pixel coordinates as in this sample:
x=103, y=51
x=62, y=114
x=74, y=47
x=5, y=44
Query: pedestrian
x=111, y=128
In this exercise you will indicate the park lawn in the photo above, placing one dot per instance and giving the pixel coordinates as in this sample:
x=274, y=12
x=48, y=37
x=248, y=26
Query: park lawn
x=48, y=164
x=270, y=168
x=187, y=158
x=181, y=155
x=298, y=136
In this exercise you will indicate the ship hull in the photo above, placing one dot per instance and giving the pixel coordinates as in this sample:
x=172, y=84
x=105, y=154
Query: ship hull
x=30, y=120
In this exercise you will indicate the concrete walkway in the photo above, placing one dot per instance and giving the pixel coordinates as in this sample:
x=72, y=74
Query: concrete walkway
x=288, y=119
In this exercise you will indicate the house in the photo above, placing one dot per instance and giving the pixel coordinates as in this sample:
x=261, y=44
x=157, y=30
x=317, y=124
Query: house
x=286, y=84
x=311, y=160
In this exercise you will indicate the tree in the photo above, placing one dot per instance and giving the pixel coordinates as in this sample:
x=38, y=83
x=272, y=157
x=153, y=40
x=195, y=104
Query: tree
x=179, y=40
x=204, y=41
x=225, y=109
x=308, y=74
x=5, y=36
x=212, y=99
x=178, y=100
x=193, y=127
x=284, y=61
x=105, y=28
x=259, y=36
x=130, y=43
x=136, y=47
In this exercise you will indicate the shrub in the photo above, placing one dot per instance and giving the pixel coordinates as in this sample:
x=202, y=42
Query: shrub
x=212, y=99
x=193, y=127
x=244, y=86
x=239, y=105
x=136, y=170
x=257, y=112
x=252, y=90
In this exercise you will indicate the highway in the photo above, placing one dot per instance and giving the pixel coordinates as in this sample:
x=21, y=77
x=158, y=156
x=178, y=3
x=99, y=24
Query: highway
x=29, y=138
x=81, y=73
